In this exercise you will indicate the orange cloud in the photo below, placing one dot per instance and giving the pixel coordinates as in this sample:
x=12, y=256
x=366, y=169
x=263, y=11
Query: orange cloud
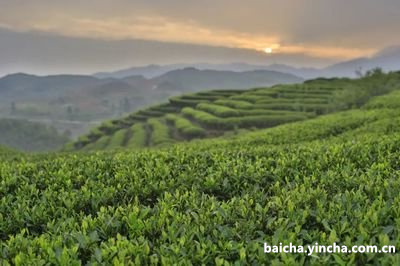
x=165, y=29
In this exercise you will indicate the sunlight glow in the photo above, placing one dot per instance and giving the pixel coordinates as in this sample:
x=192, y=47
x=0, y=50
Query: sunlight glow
x=268, y=50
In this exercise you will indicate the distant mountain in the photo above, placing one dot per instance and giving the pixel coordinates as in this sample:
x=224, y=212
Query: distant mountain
x=152, y=71
x=192, y=79
x=387, y=59
x=88, y=98
x=304, y=72
x=23, y=86
x=149, y=71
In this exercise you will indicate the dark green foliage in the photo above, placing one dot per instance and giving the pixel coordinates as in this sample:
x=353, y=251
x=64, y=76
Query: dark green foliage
x=391, y=100
x=30, y=136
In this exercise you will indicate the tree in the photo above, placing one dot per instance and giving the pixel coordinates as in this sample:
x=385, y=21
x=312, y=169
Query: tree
x=359, y=72
x=69, y=112
x=374, y=72
x=13, y=107
x=126, y=105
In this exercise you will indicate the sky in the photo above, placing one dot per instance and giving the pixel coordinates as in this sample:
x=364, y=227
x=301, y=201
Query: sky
x=333, y=30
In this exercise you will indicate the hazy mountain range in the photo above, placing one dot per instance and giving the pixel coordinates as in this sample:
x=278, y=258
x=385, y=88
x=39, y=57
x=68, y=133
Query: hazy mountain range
x=60, y=99
x=30, y=87
x=388, y=59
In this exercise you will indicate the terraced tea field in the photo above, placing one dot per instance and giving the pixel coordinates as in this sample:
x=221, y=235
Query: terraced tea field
x=229, y=112
x=332, y=179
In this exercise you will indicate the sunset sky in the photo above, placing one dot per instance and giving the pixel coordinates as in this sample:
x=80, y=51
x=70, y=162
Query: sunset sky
x=331, y=29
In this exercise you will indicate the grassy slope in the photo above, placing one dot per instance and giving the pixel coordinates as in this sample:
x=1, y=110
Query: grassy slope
x=331, y=179
x=218, y=113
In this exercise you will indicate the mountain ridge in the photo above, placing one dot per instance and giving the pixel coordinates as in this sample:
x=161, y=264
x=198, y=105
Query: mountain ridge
x=388, y=59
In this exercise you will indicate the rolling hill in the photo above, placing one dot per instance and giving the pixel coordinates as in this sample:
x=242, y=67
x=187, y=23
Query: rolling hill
x=228, y=112
x=388, y=59
x=86, y=99
x=192, y=79
x=331, y=179
x=22, y=86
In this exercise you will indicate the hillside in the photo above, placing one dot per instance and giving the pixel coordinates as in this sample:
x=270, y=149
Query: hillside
x=23, y=86
x=229, y=112
x=192, y=79
x=86, y=100
x=330, y=179
x=28, y=136
x=151, y=71
x=388, y=59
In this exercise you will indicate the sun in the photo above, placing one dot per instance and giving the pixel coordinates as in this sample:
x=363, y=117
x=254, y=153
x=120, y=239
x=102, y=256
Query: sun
x=268, y=50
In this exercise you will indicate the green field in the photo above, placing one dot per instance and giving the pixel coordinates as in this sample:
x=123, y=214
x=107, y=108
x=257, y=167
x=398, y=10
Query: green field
x=221, y=113
x=323, y=178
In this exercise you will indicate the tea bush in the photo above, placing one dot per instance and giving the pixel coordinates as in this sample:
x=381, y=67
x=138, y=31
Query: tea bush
x=331, y=179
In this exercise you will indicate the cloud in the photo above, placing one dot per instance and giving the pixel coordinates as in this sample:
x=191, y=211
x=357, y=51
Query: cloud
x=338, y=29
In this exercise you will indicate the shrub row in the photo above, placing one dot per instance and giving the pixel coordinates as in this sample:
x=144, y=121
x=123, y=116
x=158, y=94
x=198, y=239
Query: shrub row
x=99, y=144
x=249, y=97
x=223, y=111
x=294, y=101
x=159, y=132
x=303, y=96
x=138, y=136
x=185, y=127
x=235, y=104
x=218, y=110
x=165, y=108
x=178, y=101
x=150, y=113
x=298, y=107
x=209, y=203
x=117, y=140
x=206, y=97
x=211, y=121
x=391, y=100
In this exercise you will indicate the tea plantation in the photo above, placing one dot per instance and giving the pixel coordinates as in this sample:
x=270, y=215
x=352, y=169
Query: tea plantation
x=332, y=178
x=229, y=112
